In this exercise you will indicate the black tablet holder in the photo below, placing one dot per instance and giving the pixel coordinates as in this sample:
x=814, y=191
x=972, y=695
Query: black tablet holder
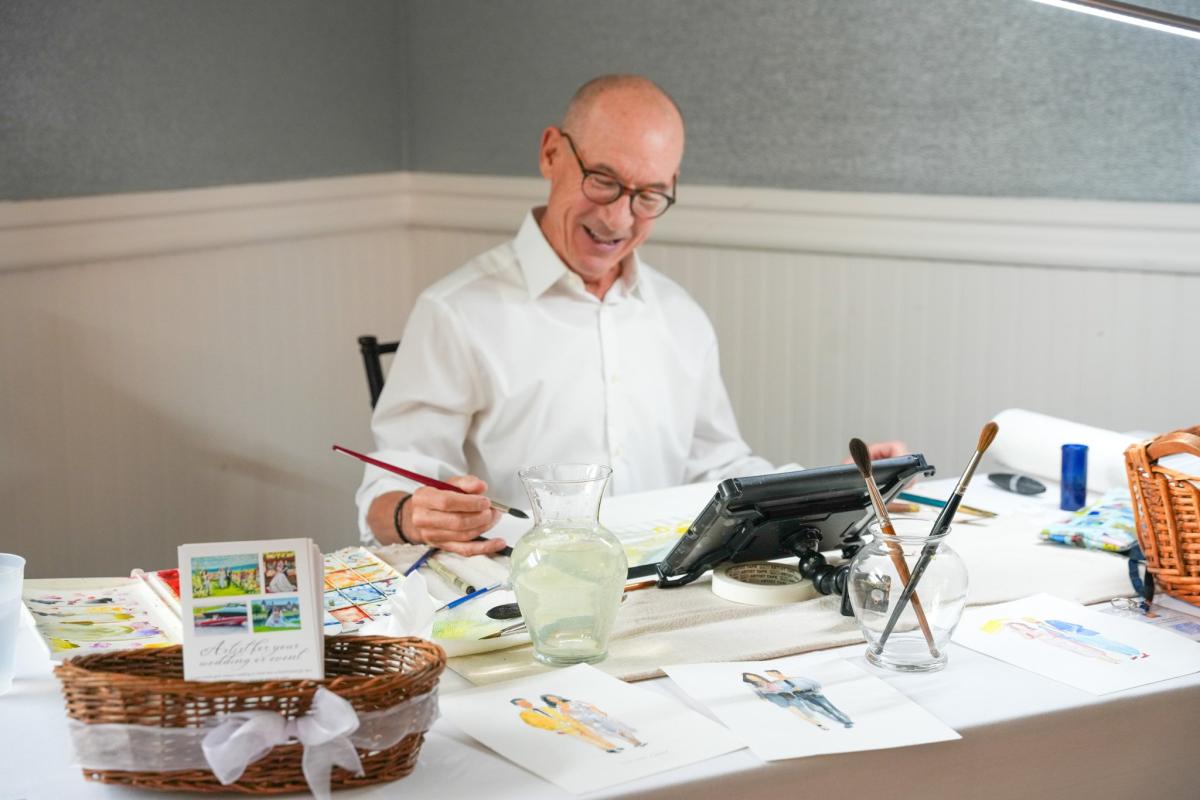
x=799, y=514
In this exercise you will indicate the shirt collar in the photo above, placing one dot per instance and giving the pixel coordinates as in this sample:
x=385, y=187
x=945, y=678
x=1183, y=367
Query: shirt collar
x=542, y=268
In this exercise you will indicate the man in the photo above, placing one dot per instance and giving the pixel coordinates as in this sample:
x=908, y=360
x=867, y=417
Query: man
x=560, y=345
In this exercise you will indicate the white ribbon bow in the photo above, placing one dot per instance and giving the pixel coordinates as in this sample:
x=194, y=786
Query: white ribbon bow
x=230, y=742
x=246, y=736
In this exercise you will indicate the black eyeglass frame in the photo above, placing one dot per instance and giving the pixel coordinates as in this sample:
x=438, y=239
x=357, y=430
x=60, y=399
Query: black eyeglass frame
x=622, y=189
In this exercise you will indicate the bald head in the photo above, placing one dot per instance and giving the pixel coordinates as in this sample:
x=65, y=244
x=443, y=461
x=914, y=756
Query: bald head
x=601, y=98
x=622, y=130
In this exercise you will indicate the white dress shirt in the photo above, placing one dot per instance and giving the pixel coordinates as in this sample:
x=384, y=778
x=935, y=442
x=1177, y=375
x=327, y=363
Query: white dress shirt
x=509, y=362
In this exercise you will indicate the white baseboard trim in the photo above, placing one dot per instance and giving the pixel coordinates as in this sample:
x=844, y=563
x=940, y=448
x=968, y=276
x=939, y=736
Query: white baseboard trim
x=1082, y=234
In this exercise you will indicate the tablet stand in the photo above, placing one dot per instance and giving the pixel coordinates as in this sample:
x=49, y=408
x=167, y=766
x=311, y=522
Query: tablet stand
x=802, y=513
x=826, y=578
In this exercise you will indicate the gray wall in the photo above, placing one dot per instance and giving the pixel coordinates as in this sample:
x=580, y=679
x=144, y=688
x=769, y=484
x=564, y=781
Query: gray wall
x=106, y=96
x=976, y=97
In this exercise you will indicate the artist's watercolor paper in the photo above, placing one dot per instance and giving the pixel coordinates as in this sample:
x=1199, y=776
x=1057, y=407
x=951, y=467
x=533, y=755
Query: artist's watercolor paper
x=357, y=585
x=252, y=610
x=77, y=616
x=808, y=705
x=1081, y=647
x=585, y=730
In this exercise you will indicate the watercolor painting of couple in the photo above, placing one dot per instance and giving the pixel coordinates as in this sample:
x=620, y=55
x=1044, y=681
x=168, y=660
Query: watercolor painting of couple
x=808, y=705
x=580, y=720
x=1076, y=645
x=798, y=694
x=585, y=730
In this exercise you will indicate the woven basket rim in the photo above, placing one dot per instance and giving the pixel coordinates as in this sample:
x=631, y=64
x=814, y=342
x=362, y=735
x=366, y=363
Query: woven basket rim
x=1174, y=474
x=1139, y=450
x=79, y=666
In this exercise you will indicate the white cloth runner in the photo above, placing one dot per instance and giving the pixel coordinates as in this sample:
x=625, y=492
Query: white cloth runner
x=330, y=732
x=1005, y=560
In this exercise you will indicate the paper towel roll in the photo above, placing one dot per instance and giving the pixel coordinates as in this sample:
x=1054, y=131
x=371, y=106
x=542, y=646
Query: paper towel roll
x=1031, y=443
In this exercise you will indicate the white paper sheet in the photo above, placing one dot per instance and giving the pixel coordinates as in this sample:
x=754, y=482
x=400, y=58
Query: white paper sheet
x=77, y=616
x=607, y=733
x=1078, y=646
x=774, y=707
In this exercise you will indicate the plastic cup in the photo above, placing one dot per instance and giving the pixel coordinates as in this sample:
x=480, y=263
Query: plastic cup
x=12, y=570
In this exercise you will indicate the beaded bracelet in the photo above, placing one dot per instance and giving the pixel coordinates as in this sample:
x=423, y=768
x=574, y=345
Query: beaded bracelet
x=396, y=518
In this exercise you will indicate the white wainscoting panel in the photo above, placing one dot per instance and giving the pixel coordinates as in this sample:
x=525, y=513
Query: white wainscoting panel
x=189, y=397
x=175, y=366
x=817, y=349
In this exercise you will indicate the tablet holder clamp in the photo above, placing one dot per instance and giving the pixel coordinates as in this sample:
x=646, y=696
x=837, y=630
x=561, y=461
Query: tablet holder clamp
x=826, y=578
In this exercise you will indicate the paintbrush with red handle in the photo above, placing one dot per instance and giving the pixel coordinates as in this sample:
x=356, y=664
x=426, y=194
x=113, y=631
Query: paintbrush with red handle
x=419, y=478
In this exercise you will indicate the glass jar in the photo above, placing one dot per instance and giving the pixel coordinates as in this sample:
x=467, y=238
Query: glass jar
x=568, y=571
x=919, y=636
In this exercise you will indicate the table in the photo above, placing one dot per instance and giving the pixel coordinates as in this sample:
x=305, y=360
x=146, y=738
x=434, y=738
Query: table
x=1022, y=736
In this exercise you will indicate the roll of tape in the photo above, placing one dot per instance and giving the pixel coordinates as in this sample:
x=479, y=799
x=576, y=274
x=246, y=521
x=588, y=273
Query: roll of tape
x=761, y=583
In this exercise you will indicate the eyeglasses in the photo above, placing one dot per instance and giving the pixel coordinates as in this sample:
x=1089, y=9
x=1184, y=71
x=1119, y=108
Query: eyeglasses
x=604, y=189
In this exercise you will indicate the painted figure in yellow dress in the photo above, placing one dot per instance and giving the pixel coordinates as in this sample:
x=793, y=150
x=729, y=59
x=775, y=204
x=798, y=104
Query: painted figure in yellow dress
x=593, y=718
x=549, y=719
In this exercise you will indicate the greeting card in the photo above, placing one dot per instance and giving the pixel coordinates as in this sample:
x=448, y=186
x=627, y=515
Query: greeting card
x=252, y=610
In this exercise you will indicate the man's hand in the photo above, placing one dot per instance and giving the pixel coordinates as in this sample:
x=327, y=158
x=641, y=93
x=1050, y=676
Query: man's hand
x=880, y=450
x=890, y=449
x=449, y=520
x=446, y=520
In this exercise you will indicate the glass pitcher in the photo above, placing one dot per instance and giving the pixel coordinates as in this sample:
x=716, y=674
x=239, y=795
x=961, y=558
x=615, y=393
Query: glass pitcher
x=568, y=572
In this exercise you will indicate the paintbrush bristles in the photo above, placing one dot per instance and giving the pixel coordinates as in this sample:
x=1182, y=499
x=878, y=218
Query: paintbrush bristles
x=862, y=459
x=987, y=436
x=862, y=456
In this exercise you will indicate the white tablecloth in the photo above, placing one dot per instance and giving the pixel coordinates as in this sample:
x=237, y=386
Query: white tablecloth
x=1023, y=737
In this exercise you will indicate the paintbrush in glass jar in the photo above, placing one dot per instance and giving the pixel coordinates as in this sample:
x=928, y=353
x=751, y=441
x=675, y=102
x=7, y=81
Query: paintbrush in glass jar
x=862, y=459
x=940, y=526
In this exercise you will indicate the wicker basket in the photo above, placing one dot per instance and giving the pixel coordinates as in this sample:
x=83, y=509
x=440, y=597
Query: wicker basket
x=145, y=687
x=1166, y=506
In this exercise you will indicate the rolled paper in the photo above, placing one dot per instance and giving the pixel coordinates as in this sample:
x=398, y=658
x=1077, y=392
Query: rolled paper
x=1032, y=443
